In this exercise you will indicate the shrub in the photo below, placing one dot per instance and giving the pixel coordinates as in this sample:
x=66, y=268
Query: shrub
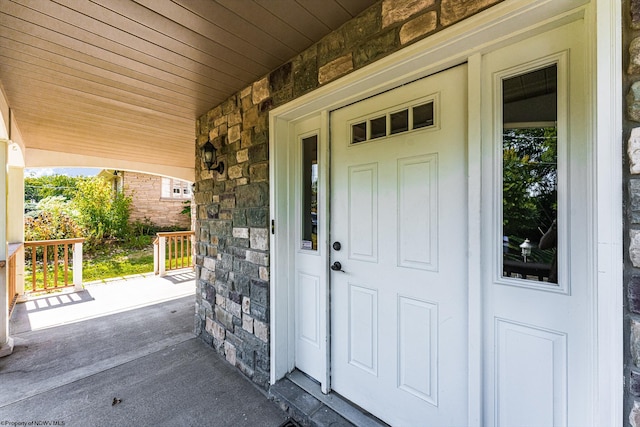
x=141, y=235
x=102, y=214
x=87, y=208
x=53, y=218
x=143, y=228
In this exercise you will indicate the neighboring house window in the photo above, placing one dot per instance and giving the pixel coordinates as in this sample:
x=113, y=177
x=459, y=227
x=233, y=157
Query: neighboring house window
x=175, y=189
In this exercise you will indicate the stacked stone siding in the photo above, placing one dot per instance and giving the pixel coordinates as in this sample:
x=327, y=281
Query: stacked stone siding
x=232, y=223
x=631, y=126
x=146, y=191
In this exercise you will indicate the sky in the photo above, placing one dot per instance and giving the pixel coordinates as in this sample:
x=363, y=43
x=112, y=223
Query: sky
x=38, y=172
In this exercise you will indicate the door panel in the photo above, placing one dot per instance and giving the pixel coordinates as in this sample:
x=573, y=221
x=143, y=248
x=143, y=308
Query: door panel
x=363, y=212
x=363, y=328
x=418, y=348
x=398, y=207
x=308, y=293
x=418, y=212
x=544, y=354
x=537, y=352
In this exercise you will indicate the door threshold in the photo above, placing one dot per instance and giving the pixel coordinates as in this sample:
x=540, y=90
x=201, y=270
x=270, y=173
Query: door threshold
x=301, y=398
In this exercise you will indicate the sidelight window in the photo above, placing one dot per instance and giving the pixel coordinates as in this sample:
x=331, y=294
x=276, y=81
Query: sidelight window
x=530, y=176
x=309, y=209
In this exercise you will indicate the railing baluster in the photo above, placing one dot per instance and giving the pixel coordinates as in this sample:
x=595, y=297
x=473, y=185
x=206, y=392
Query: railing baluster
x=186, y=248
x=34, y=263
x=44, y=267
x=181, y=251
x=176, y=250
x=66, y=264
x=55, y=265
x=12, y=281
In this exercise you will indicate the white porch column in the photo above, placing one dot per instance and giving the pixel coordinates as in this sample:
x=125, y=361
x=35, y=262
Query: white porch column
x=162, y=254
x=6, y=342
x=15, y=218
x=155, y=256
x=77, y=266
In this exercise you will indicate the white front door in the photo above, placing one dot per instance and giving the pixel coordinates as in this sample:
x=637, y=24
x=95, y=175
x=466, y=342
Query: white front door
x=398, y=231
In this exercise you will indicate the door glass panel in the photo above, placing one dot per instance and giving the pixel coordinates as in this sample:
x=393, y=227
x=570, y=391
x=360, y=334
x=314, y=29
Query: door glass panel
x=310, y=193
x=530, y=176
x=379, y=127
x=423, y=115
x=358, y=132
x=400, y=121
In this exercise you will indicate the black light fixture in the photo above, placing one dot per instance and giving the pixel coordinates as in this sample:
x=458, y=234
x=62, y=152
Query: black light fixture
x=209, y=157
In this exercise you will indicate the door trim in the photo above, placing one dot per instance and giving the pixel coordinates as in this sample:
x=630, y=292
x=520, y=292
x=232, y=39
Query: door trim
x=474, y=245
x=501, y=24
x=606, y=114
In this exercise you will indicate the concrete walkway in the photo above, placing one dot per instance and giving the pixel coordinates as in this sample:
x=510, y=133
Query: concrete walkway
x=122, y=354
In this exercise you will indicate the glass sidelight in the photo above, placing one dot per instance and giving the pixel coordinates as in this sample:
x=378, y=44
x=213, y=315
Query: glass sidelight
x=530, y=175
x=309, y=209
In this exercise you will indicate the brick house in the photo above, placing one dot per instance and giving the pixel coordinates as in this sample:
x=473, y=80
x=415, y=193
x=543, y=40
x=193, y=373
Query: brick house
x=359, y=234
x=155, y=198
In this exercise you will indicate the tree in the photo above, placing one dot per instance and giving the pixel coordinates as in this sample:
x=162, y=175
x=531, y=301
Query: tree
x=529, y=181
x=38, y=188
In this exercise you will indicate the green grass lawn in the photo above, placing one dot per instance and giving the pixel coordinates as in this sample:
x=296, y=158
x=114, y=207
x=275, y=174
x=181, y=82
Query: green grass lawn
x=106, y=266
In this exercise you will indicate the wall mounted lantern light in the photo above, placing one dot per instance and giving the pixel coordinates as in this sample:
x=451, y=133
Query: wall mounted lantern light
x=209, y=158
x=526, y=249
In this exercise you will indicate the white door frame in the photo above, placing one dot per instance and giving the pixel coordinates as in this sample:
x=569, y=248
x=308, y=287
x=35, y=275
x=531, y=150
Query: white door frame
x=466, y=41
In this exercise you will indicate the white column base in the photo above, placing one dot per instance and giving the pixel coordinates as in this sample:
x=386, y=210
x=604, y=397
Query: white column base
x=6, y=348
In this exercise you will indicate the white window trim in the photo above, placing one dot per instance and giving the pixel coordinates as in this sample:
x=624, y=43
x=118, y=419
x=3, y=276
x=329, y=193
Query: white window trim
x=171, y=183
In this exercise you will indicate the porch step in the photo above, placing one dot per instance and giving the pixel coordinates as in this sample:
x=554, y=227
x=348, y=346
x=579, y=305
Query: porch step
x=302, y=399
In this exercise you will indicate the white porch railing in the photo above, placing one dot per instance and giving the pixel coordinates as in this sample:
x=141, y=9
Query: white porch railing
x=173, y=251
x=50, y=264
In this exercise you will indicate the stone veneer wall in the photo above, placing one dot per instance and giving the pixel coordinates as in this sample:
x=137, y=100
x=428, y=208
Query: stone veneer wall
x=232, y=223
x=631, y=127
x=146, y=192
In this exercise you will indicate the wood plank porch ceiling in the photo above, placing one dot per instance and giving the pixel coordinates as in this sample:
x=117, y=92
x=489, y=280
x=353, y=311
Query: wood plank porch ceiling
x=126, y=79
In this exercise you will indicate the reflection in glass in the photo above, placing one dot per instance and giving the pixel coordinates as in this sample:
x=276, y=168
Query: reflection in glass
x=530, y=176
x=423, y=115
x=358, y=133
x=400, y=121
x=379, y=127
x=310, y=193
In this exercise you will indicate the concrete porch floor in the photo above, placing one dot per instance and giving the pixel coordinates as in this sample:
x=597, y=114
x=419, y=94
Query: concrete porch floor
x=123, y=353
